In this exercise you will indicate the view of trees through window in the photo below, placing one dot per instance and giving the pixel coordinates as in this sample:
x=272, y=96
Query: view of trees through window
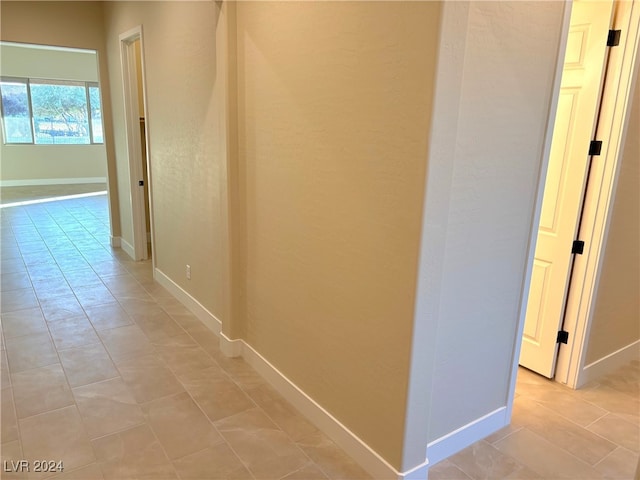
x=50, y=112
x=16, y=114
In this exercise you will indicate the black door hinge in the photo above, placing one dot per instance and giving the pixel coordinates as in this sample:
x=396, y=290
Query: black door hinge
x=613, y=39
x=577, y=247
x=595, y=147
x=563, y=337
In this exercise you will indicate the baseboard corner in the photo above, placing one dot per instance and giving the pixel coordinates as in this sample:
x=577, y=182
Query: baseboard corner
x=231, y=348
x=466, y=435
x=128, y=248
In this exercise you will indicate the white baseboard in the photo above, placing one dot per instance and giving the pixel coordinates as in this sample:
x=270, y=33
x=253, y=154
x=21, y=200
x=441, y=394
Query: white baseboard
x=115, y=242
x=231, y=348
x=470, y=433
x=204, y=315
x=128, y=248
x=315, y=413
x=51, y=181
x=364, y=455
x=608, y=364
x=421, y=472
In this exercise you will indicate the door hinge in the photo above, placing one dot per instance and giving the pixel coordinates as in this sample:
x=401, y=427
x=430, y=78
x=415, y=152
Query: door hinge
x=563, y=337
x=141, y=183
x=577, y=247
x=595, y=147
x=613, y=39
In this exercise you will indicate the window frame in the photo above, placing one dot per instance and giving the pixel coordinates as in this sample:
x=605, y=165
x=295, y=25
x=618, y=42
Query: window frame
x=24, y=81
x=49, y=81
x=88, y=86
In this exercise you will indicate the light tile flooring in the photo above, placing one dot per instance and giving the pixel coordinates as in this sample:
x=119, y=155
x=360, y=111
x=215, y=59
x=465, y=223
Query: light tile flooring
x=102, y=368
x=10, y=195
x=556, y=432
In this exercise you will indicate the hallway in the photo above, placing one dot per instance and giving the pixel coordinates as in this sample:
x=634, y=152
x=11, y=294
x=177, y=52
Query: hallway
x=104, y=370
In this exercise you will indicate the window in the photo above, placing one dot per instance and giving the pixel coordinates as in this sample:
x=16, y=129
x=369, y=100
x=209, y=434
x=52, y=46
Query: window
x=16, y=114
x=96, y=114
x=50, y=112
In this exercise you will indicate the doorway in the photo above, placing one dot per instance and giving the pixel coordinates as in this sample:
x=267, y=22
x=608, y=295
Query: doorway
x=564, y=271
x=52, y=140
x=132, y=61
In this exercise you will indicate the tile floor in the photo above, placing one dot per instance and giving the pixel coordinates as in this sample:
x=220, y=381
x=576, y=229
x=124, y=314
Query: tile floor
x=15, y=194
x=556, y=432
x=102, y=368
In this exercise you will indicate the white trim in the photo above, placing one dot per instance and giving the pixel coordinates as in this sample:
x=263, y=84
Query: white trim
x=364, y=455
x=127, y=247
x=52, y=199
x=133, y=139
x=116, y=242
x=51, y=181
x=535, y=220
x=231, y=348
x=314, y=412
x=420, y=472
x=468, y=434
x=147, y=150
x=199, y=310
x=47, y=47
x=599, y=200
x=611, y=362
x=435, y=219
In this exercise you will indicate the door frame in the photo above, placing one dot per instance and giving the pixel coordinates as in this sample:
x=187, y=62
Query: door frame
x=134, y=141
x=599, y=199
x=598, y=202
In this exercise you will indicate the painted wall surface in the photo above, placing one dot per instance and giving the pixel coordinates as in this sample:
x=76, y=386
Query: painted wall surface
x=51, y=163
x=483, y=196
x=334, y=106
x=21, y=60
x=615, y=322
x=67, y=24
x=182, y=124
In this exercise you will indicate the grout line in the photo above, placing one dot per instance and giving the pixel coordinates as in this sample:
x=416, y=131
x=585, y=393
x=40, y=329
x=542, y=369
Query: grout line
x=606, y=456
x=597, y=419
x=87, y=222
x=75, y=404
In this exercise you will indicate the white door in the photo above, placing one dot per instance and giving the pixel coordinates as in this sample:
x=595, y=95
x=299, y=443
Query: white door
x=564, y=188
x=139, y=249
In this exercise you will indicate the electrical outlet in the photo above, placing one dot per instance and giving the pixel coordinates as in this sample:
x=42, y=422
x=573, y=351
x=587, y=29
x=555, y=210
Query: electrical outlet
x=188, y=272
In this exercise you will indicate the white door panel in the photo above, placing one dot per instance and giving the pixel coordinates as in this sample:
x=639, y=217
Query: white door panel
x=564, y=188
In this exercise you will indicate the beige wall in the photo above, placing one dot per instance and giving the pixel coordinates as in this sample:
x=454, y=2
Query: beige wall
x=182, y=123
x=334, y=105
x=67, y=24
x=616, y=318
x=21, y=60
x=50, y=163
